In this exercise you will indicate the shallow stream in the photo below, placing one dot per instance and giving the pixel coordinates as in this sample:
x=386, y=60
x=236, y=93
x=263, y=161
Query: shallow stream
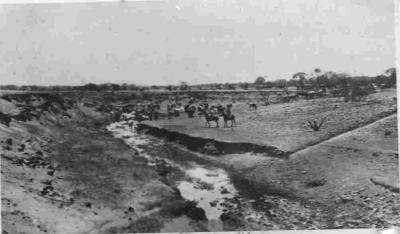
x=208, y=185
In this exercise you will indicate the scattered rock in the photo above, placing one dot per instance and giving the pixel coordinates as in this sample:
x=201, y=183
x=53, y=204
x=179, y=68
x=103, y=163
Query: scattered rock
x=46, y=182
x=50, y=170
x=231, y=219
x=197, y=213
x=214, y=203
x=315, y=183
x=7, y=147
x=88, y=204
x=346, y=198
x=224, y=190
x=21, y=147
x=210, y=148
x=32, y=162
x=9, y=141
x=162, y=169
x=48, y=190
x=131, y=209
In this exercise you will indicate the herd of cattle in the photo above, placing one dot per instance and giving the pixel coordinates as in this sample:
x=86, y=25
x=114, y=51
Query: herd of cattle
x=151, y=111
x=211, y=113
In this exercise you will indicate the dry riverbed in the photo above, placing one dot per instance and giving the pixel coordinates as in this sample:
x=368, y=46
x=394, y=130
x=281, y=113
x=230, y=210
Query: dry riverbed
x=72, y=170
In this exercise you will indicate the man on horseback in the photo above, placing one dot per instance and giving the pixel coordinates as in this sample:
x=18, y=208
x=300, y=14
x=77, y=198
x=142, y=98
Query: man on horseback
x=210, y=117
x=228, y=116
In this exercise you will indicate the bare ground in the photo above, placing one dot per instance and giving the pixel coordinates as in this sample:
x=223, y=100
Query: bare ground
x=285, y=125
x=350, y=167
x=98, y=178
x=99, y=183
x=341, y=170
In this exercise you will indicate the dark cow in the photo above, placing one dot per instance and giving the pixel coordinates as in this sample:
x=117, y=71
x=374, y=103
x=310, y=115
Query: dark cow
x=252, y=106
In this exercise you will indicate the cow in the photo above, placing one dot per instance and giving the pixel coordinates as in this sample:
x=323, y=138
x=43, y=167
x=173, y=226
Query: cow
x=252, y=106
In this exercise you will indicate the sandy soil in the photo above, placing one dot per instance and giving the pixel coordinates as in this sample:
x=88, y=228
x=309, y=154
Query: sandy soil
x=285, y=125
x=98, y=182
x=345, y=165
x=336, y=168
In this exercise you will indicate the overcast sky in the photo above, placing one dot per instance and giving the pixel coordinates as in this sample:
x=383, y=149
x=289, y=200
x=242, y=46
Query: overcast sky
x=198, y=41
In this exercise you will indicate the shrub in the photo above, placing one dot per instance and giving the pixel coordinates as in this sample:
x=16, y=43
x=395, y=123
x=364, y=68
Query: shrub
x=316, y=124
x=360, y=93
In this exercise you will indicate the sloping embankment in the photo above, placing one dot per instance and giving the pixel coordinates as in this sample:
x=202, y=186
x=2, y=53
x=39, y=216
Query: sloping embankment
x=210, y=146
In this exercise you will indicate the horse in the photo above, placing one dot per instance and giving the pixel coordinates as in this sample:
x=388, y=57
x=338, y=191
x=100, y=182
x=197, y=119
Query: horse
x=190, y=111
x=311, y=94
x=252, y=106
x=170, y=112
x=228, y=116
x=288, y=98
x=307, y=94
x=209, y=118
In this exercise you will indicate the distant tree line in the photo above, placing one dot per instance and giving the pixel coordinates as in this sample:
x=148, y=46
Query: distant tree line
x=314, y=80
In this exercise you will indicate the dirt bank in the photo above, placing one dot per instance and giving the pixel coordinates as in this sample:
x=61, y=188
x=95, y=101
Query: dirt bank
x=199, y=144
x=338, y=173
x=62, y=172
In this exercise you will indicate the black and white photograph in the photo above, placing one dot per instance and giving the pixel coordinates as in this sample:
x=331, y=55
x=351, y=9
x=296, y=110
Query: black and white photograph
x=171, y=116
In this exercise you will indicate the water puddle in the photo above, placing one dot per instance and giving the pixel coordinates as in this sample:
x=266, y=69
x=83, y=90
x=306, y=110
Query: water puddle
x=206, y=184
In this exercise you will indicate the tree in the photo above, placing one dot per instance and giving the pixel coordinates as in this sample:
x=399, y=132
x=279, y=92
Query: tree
x=132, y=87
x=124, y=86
x=391, y=77
x=115, y=87
x=244, y=85
x=259, y=81
x=301, y=78
x=317, y=73
x=279, y=83
x=91, y=86
x=183, y=85
x=230, y=86
x=269, y=84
